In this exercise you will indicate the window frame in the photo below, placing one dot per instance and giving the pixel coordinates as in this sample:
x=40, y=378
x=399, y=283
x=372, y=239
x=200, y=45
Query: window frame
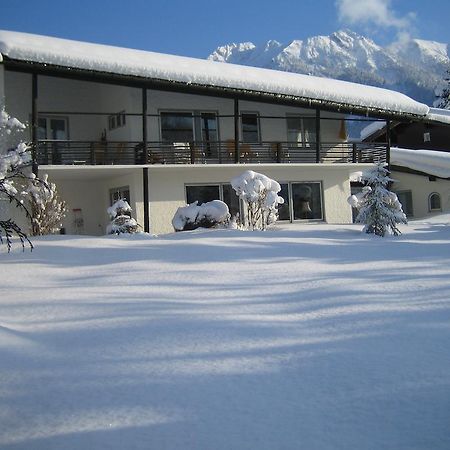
x=220, y=185
x=258, y=126
x=291, y=203
x=303, y=143
x=430, y=197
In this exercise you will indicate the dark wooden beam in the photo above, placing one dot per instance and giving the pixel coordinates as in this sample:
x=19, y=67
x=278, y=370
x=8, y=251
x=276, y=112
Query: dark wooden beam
x=34, y=122
x=144, y=125
x=318, y=140
x=236, y=130
x=146, y=200
x=388, y=143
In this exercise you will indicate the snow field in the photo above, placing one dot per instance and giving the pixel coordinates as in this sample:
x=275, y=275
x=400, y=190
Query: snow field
x=315, y=337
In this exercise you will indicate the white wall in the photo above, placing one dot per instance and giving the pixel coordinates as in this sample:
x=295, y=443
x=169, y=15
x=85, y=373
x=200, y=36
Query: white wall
x=167, y=187
x=421, y=188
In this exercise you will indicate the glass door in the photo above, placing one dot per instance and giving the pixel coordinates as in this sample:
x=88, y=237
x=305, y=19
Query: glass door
x=53, y=129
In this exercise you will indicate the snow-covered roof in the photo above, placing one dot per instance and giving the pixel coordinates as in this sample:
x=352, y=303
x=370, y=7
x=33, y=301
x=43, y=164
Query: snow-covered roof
x=439, y=115
x=197, y=72
x=372, y=128
x=431, y=162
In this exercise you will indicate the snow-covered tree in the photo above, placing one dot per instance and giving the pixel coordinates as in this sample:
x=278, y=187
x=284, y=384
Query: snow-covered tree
x=260, y=194
x=48, y=210
x=443, y=93
x=378, y=208
x=16, y=179
x=121, y=220
x=206, y=215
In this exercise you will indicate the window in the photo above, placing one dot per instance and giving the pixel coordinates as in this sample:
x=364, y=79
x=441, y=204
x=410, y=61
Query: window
x=301, y=131
x=207, y=123
x=119, y=193
x=405, y=198
x=177, y=127
x=52, y=128
x=302, y=201
x=116, y=120
x=250, y=127
x=207, y=193
x=434, y=202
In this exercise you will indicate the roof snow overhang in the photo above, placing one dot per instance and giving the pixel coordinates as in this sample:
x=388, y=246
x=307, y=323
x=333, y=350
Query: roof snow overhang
x=100, y=63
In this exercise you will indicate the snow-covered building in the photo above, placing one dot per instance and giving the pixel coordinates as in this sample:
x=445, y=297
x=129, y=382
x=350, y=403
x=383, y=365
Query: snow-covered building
x=163, y=131
x=420, y=161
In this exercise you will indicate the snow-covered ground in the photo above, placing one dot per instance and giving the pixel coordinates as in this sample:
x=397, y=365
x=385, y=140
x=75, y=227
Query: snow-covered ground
x=306, y=337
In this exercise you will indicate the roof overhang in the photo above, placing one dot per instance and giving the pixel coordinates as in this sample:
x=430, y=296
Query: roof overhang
x=201, y=89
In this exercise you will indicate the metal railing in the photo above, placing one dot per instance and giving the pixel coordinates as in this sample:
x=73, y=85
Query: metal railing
x=218, y=152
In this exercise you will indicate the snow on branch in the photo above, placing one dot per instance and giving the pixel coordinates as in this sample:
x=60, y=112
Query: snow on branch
x=260, y=194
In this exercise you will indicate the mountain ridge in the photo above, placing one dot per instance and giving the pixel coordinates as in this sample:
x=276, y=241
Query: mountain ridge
x=415, y=67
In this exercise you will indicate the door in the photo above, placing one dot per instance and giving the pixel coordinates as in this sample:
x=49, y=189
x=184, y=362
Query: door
x=52, y=129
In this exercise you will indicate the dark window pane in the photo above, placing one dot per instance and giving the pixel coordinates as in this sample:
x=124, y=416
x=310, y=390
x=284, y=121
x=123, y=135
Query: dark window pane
x=283, y=210
x=435, y=202
x=209, y=134
x=202, y=193
x=405, y=198
x=250, y=128
x=307, y=200
x=177, y=127
x=231, y=199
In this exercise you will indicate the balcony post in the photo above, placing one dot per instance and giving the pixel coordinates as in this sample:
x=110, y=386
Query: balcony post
x=144, y=126
x=318, y=141
x=34, y=122
x=236, y=130
x=145, y=160
x=146, y=200
x=354, y=152
x=388, y=143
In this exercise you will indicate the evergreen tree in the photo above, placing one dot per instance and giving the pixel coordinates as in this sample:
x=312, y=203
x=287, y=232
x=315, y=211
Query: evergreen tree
x=379, y=209
x=121, y=220
x=443, y=93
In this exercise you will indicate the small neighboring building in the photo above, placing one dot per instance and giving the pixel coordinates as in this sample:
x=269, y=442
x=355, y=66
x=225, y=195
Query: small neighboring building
x=420, y=162
x=163, y=131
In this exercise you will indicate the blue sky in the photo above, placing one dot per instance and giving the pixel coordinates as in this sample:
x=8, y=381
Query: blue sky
x=197, y=27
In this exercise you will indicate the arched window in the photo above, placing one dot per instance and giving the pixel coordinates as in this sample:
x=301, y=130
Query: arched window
x=434, y=202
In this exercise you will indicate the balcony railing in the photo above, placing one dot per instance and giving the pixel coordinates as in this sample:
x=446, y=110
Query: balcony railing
x=224, y=152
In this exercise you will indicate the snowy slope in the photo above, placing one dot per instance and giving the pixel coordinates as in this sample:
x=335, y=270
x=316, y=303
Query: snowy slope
x=414, y=67
x=310, y=337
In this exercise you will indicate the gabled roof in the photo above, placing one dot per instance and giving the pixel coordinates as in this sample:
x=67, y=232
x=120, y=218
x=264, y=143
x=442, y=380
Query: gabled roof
x=303, y=89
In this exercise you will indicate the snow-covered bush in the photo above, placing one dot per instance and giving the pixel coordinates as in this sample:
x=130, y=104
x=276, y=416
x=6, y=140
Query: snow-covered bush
x=260, y=194
x=121, y=221
x=16, y=178
x=48, y=209
x=206, y=215
x=378, y=208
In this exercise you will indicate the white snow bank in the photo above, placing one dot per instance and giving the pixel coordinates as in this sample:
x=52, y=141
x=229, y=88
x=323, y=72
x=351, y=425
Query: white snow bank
x=103, y=58
x=428, y=161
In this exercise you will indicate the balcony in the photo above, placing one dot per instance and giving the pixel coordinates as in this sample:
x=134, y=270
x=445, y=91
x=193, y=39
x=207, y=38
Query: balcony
x=71, y=152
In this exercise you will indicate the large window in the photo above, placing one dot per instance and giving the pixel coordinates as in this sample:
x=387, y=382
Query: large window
x=206, y=193
x=53, y=129
x=302, y=201
x=177, y=127
x=250, y=127
x=301, y=131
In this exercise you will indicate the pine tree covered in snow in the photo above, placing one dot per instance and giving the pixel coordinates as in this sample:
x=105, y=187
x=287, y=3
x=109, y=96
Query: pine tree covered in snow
x=379, y=209
x=121, y=221
x=16, y=178
x=260, y=194
x=48, y=209
x=443, y=93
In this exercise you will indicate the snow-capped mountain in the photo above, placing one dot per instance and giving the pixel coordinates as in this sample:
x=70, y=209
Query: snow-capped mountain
x=415, y=67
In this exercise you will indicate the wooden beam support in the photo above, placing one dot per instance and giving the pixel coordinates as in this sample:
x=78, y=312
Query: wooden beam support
x=146, y=200
x=236, y=130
